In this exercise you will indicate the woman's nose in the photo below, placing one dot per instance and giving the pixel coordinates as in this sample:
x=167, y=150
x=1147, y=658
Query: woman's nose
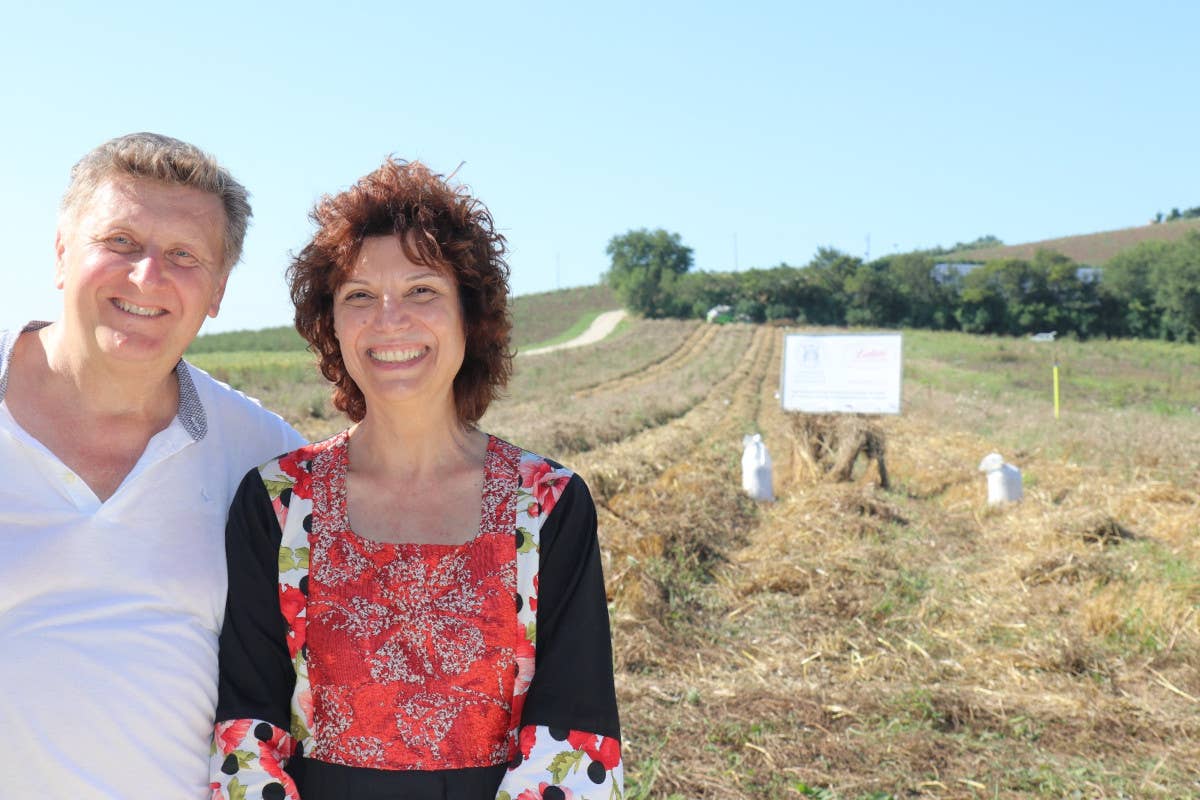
x=393, y=312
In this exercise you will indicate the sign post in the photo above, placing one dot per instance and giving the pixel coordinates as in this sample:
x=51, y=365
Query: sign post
x=1048, y=336
x=855, y=373
x=1056, y=387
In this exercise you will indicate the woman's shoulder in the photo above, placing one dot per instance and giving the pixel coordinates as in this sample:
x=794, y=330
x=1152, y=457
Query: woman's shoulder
x=528, y=463
x=298, y=464
x=542, y=483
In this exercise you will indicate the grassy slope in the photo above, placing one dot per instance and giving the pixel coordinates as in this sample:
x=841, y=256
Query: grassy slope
x=276, y=340
x=273, y=365
x=538, y=319
x=541, y=318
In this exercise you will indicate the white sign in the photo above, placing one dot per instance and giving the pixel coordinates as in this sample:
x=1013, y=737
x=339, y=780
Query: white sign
x=856, y=373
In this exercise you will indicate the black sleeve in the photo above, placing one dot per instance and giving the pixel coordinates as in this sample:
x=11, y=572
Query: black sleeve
x=572, y=684
x=257, y=677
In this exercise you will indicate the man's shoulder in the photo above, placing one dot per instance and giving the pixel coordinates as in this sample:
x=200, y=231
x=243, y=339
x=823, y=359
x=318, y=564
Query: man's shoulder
x=229, y=410
x=8, y=338
x=8, y=341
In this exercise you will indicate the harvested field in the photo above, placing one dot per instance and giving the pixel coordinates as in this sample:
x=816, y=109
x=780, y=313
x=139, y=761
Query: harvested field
x=852, y=642
x=849, y=641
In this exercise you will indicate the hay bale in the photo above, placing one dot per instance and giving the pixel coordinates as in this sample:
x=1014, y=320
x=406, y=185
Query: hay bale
x=828, y=446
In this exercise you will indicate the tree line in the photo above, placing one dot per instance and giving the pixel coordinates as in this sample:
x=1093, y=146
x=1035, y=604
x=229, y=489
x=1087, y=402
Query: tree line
x=1149, y=291
x=1176, y=214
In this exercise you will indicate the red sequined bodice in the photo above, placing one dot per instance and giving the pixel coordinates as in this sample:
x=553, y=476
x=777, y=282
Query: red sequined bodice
x=411, y=647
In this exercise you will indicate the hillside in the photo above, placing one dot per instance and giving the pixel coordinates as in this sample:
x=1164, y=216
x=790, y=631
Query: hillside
x=544, y=317
x=281, y=339
x=1092, y=249
x=538, y=319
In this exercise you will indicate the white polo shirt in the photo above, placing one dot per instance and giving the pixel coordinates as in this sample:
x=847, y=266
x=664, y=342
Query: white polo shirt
x=109, y=612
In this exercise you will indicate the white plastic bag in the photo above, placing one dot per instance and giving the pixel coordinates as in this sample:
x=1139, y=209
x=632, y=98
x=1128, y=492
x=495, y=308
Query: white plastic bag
x=756, y=469
x=1003, y=480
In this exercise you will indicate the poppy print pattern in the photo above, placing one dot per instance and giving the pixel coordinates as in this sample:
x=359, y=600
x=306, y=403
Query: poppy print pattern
x=248, y=759
x=555, y=763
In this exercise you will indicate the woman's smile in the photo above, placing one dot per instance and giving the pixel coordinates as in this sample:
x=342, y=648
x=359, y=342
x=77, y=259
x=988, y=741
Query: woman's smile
x=397, y=355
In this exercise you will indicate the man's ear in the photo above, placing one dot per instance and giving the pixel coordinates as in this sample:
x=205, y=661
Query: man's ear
x=60, y=267
x=218, y=294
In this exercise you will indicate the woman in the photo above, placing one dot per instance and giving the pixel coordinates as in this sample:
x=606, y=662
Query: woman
x=416, y=608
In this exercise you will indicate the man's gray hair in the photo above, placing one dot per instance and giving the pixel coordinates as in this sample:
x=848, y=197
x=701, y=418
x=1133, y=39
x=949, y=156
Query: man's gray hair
x=161, y=158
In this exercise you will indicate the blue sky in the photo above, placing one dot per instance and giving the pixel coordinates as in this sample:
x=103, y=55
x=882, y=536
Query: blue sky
x=758, y=133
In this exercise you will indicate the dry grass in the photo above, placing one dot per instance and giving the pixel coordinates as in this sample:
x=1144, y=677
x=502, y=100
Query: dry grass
x=558, y=406
x=852, y=642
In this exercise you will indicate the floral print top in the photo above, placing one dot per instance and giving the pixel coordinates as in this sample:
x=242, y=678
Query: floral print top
x=356, y=668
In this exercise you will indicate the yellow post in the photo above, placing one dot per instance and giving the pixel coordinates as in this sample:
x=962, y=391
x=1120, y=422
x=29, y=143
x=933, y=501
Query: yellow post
x=1056, y=390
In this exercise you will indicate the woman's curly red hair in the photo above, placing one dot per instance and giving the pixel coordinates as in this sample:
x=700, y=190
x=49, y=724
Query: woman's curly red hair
x=438, y=225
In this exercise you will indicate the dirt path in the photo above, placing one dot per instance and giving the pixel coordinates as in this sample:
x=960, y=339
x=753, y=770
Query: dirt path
x=601, y=326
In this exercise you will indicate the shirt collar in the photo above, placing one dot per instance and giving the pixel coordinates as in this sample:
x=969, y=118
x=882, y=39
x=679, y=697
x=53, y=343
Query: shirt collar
x=191, y=411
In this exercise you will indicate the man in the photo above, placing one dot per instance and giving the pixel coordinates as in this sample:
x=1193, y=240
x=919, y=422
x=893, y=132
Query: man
x=117, y=464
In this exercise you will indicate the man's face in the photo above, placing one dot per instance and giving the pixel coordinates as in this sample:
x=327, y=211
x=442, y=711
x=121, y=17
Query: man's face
x=141, y=265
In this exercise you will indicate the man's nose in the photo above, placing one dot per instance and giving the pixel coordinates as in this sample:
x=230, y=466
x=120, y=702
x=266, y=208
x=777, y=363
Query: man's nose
x=148, y=270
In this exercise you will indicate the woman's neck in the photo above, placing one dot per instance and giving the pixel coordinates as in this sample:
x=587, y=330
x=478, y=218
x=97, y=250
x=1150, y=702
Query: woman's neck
x=412, y=446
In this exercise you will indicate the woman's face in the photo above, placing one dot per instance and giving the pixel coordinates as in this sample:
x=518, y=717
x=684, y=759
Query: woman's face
x=400, y=328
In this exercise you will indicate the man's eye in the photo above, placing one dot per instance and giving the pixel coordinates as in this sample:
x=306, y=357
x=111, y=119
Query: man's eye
x=185, y=256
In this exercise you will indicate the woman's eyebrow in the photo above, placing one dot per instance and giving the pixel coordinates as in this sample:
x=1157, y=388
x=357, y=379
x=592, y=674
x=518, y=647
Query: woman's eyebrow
x=422, y=276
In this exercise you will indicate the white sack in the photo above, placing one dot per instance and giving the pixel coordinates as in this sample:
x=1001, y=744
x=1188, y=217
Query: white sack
x=756, y=469
x=1003, y=480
